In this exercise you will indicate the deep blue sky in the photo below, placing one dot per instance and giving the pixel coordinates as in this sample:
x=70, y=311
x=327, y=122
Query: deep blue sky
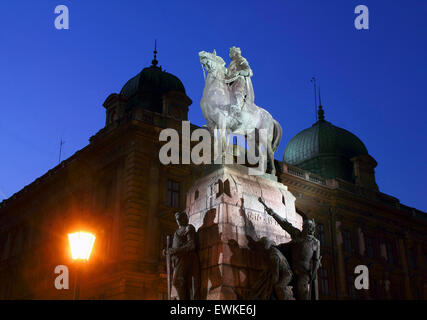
x=373, y=82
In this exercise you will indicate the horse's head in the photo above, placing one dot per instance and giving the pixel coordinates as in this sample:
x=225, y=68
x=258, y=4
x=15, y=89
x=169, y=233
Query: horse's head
x=211, y=62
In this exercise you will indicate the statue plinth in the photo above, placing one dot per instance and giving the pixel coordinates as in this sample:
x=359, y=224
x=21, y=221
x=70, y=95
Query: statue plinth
x=223, y=206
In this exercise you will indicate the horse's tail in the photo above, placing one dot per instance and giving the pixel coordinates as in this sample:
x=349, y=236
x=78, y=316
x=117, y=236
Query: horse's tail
x=277, y=136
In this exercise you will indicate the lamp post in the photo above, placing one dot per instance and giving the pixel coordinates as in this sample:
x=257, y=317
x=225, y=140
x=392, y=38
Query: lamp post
x=81, y=244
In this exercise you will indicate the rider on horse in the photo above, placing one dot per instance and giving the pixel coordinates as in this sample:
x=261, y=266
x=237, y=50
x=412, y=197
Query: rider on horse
x=238, y=78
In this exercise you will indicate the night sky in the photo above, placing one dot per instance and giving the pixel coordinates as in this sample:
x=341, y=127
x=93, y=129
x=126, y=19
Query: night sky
x=53, y=82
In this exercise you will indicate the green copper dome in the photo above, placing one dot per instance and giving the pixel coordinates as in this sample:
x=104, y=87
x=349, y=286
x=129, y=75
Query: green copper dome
x=152, y=79
x=324, y=149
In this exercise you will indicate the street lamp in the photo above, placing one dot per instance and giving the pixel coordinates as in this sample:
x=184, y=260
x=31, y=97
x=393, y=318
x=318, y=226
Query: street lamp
x=81, y=244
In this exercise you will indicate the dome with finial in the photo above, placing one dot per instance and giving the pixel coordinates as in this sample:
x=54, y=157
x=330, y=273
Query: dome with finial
x=152, y=79
x=324, y=149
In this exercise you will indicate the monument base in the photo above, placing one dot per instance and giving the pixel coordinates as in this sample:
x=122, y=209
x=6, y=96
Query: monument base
x=232, y=227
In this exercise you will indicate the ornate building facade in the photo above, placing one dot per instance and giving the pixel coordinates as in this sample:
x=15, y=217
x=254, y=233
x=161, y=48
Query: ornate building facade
x=117, y=188
x=332, y=175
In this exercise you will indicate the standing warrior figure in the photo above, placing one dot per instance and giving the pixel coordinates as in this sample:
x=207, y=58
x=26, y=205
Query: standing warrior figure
x=185, y=261
x=305, y=250
x=238, y=78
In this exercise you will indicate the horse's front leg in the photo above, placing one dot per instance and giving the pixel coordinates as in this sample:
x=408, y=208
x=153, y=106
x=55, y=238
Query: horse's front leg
x=264, y=156
x=270, y=158
x=219, y=143
x=254, y=152
x=217, y=138
x=225, y=145
x=269, y=150
x=222, y=135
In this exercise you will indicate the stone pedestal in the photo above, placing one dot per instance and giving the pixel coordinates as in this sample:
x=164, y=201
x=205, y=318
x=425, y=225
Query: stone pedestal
x=223, y=206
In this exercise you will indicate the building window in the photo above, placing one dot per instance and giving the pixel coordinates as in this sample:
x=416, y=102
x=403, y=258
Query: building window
x=320, y=233
x=350, y=287
x=324, y=285
x=411, y=258
x=369, y=243
x=346, y=235
x=107, y=188
x=173, y=194
x=390, y=252
x=3, y=244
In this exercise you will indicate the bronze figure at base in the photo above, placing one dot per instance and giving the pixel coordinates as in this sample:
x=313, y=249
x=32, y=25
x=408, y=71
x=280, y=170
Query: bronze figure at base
x=184, y=260
x=304, y=250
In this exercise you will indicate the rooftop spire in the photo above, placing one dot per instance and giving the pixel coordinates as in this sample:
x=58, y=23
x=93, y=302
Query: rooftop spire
x=154, y=61
x=313, y=80
x=320, y=112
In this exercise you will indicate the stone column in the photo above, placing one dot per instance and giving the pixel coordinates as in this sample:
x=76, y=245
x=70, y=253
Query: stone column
x=340, y=265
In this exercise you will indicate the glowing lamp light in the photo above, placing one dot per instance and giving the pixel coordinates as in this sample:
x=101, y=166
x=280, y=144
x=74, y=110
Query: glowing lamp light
x=81, y=244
